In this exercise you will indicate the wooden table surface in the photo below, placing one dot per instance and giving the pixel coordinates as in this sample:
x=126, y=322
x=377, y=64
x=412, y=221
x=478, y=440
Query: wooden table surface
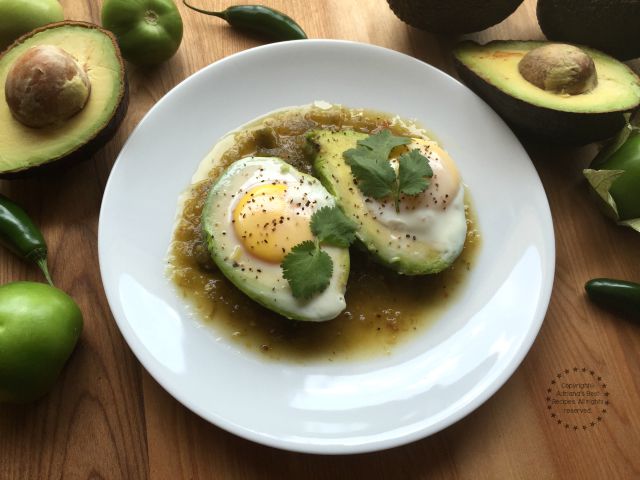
x=107, y=418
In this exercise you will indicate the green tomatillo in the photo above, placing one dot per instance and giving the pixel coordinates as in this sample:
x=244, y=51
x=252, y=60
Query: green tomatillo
x=149, y=32
x=22, y=16
x=615, y=177
x=39, y=328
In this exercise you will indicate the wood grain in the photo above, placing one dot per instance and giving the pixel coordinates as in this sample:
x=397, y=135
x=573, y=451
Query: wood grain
x=106, y=417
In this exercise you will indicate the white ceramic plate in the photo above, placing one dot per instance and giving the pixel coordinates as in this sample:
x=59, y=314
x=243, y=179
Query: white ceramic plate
x=426, y=384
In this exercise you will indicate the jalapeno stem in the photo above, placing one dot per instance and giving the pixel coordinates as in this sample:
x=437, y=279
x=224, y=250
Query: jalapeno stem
x=19, y=234
x=222, y=14
x=42, y=263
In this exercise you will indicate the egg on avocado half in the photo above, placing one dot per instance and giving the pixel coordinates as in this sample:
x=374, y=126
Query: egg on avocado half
x=255, y=213
x=424, y=233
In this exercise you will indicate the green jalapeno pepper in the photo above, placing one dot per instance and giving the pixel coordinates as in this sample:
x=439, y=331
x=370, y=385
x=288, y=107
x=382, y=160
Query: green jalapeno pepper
x=616, y=294
x=20, y=235
x=260, y=19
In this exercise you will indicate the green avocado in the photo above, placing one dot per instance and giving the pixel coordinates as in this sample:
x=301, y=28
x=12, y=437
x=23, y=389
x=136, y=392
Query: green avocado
x=388, y=245
x=608, y=25
x=555, y=92
x=447, y=16
x=47, y=121
x=235, y=253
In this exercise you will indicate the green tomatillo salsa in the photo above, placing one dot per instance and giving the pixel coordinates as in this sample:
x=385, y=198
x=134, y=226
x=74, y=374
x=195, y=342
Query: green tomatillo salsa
x=383, y=308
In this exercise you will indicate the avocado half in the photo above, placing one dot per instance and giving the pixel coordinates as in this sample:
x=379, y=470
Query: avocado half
x=25, y=150
x=492, y=72
x=261, y=280
x=447, y=16
x=609, y=25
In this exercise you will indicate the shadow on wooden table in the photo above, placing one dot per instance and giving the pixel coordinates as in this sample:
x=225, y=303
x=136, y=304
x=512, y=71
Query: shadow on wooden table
x=179, y=440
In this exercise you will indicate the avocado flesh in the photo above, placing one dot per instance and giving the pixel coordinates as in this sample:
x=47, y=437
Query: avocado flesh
x=22, y=148
x=334, y=173
x=446, y=16
x=608, y=25
x=491, y=70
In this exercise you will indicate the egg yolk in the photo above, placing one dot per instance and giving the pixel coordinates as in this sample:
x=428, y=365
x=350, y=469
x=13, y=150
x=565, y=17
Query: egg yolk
x=267, y=223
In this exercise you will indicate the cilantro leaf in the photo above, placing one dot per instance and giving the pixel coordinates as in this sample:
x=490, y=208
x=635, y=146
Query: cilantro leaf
x=413, y=168
x=369, y=163
x=331, y=226
x=382, y=143
x=374, y=174
x=307, y=269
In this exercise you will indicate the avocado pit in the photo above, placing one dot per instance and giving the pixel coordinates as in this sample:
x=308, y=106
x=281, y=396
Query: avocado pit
x=46, y=86
x=559, y=68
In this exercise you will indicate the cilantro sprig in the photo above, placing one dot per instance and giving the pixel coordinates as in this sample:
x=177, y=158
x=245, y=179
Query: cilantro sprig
x=370, y=165
x=307, y=267
x=332, y=227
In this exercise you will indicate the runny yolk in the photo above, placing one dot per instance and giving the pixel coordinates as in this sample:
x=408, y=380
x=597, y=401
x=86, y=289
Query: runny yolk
x=267, y=225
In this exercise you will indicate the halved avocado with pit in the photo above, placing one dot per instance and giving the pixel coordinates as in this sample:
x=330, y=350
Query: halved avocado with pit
x=27, y=149
x=562, y=93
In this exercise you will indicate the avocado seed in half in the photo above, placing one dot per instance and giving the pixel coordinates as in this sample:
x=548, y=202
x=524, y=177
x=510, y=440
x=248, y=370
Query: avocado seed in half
x=559, y=68
x=46, y=86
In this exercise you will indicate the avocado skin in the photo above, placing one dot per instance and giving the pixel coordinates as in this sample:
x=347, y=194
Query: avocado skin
x=539, y=123
x=608, y=25
x=449, y=16
x=92, y=145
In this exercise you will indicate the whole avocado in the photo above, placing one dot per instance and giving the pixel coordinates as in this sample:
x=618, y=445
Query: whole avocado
x=608, y=25
x=453, y=16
